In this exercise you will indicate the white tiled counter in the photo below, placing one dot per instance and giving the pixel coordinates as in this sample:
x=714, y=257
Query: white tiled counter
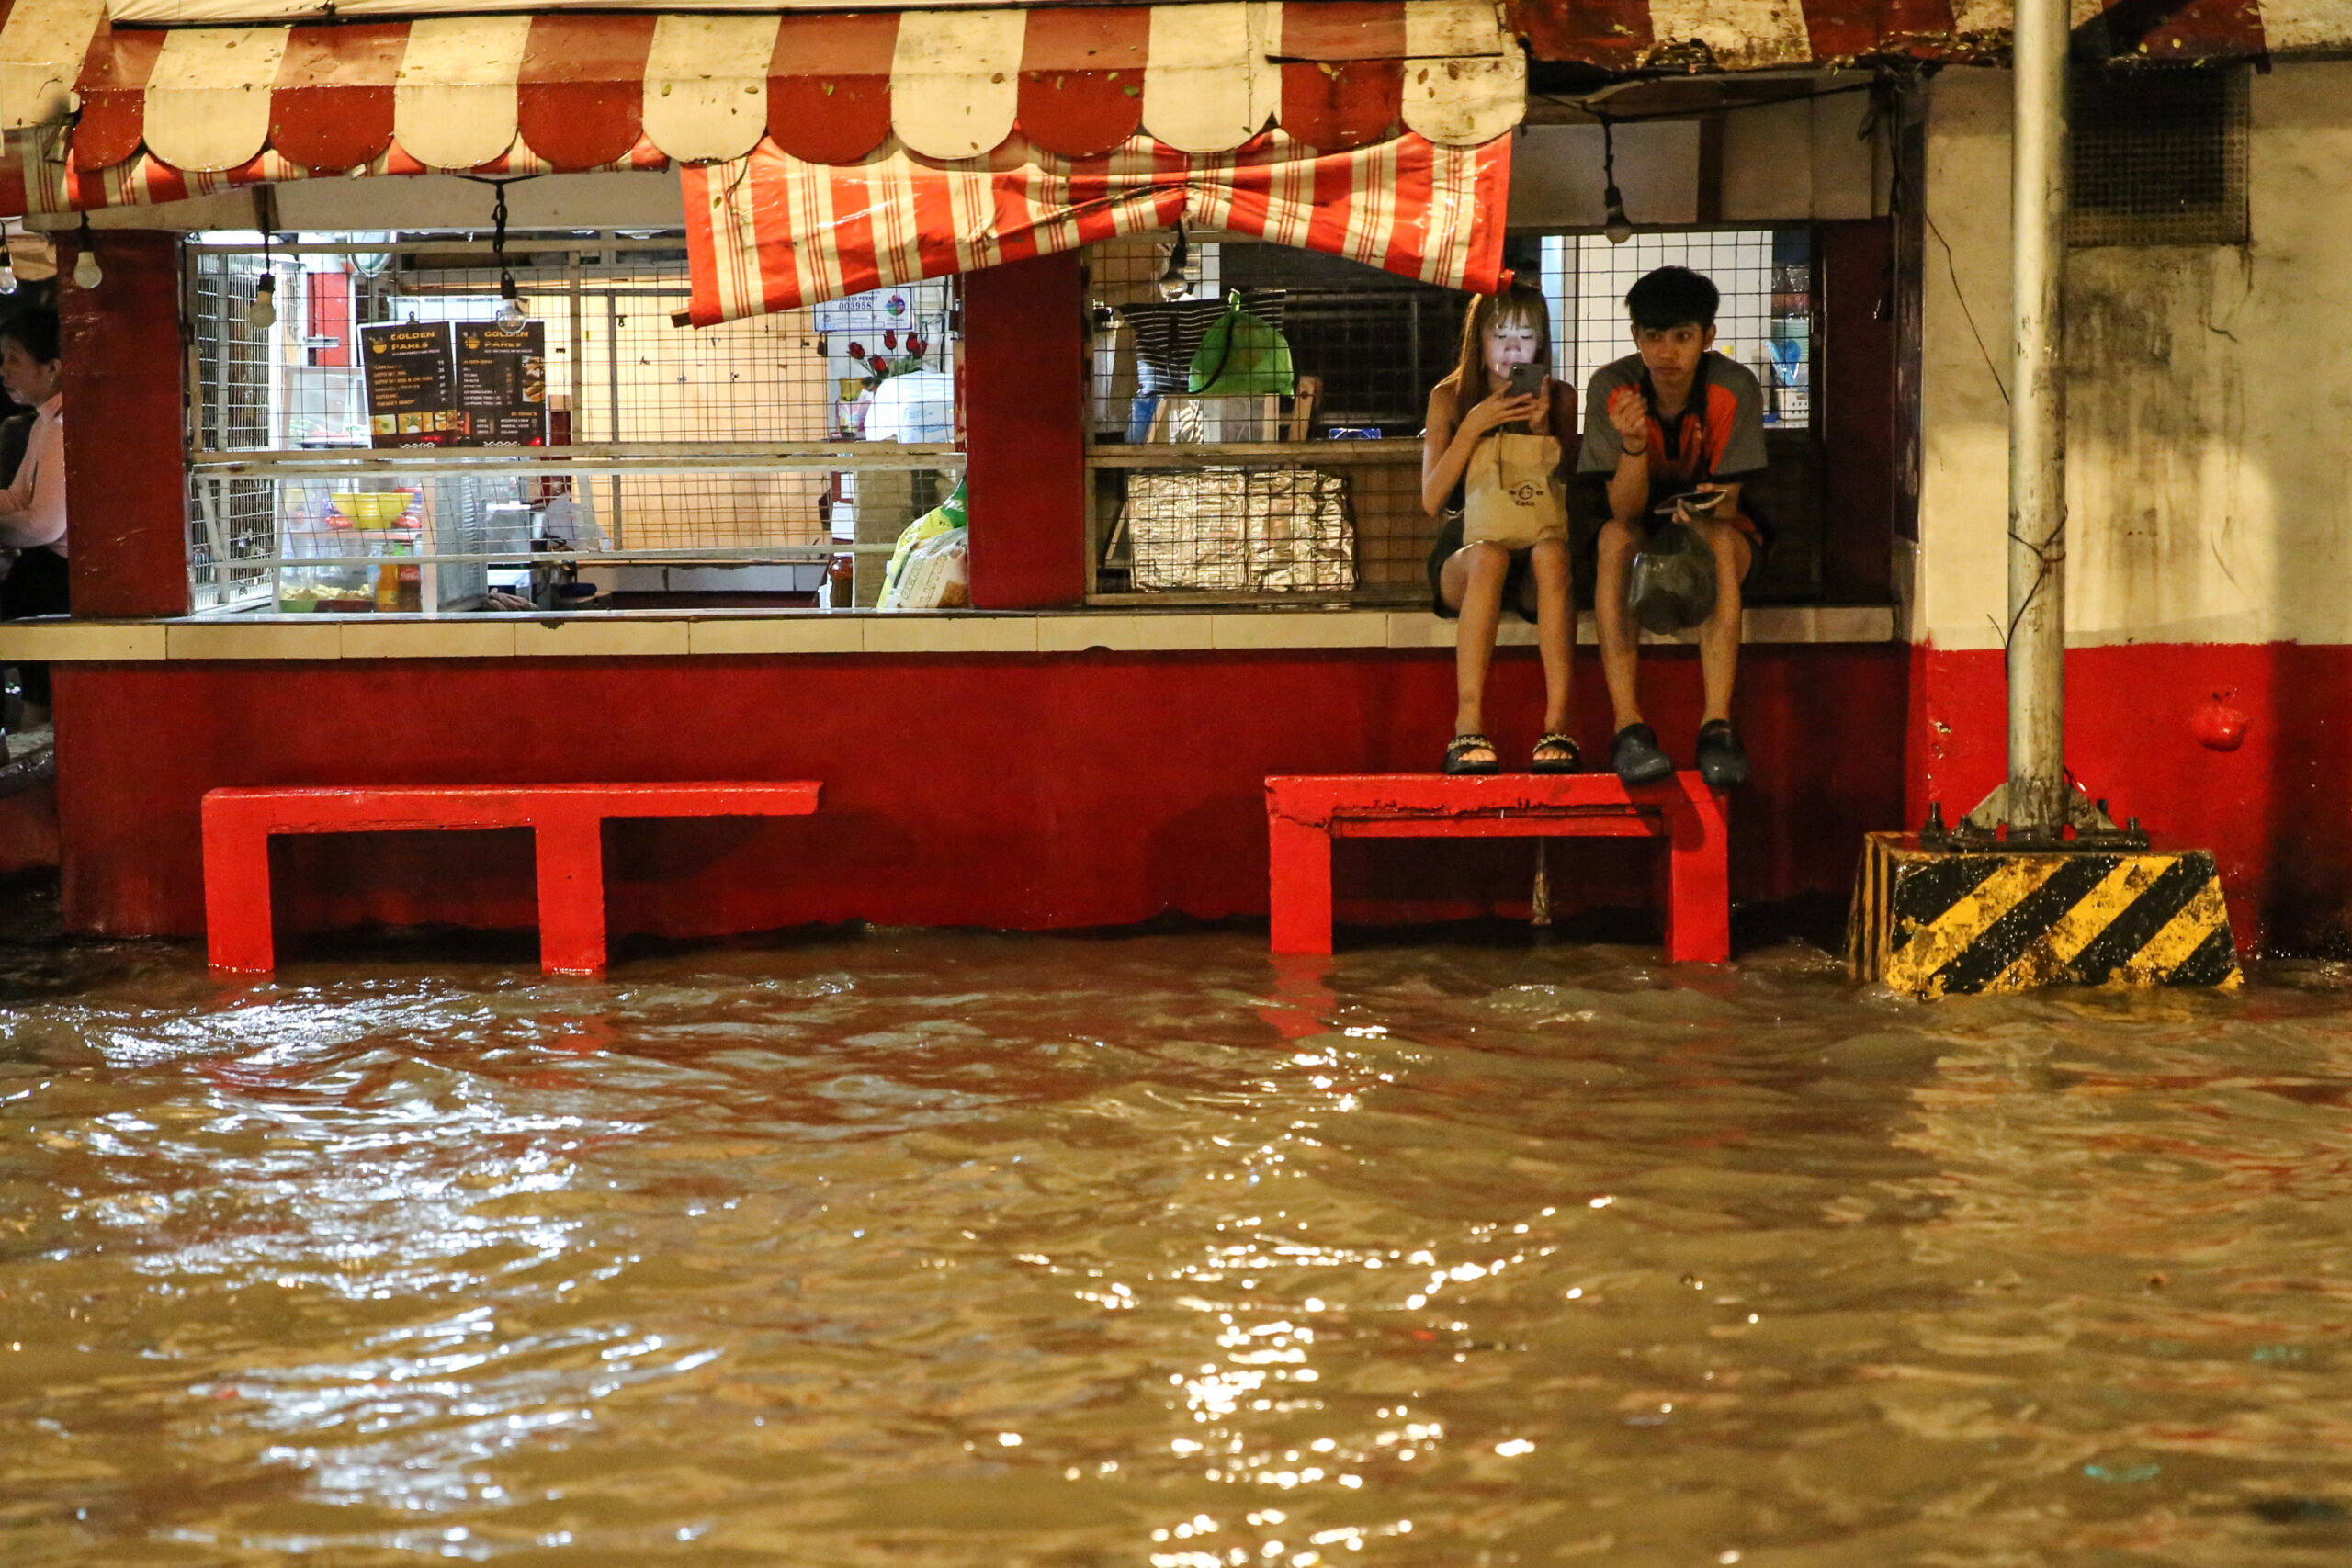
x=662, y=635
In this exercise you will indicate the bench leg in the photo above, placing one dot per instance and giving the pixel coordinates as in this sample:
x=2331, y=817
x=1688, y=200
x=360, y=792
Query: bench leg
x=1299, y=892
x=237, y=920
x=571, y=894
x=1697, y=900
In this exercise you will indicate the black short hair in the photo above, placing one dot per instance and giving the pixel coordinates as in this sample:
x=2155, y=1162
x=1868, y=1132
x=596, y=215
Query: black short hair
x=35, y=331
x=1672, y=297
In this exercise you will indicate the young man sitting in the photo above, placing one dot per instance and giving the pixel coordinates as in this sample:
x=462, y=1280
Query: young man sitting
x=1672, y=422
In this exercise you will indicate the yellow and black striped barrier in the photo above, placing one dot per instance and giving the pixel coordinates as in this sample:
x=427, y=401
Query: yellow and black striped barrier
x=1935, y=922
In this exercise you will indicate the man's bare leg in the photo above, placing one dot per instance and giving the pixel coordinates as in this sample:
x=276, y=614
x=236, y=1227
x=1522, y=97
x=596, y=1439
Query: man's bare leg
x=1719, y=633
x=1618, y=656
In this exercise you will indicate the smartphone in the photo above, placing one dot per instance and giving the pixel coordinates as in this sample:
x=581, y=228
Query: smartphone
x=1697, y=502
x=1526, y=379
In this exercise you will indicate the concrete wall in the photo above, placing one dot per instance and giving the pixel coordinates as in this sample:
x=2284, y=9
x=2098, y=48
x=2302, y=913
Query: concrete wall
x=2208, y=392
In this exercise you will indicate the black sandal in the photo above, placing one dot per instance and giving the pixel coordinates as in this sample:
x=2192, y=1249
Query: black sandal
x=1556, y=742
x=1458, y=760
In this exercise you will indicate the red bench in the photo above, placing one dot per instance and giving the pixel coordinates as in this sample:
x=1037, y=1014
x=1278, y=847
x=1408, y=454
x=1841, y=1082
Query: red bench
x=566, y=820
x=1305, y=814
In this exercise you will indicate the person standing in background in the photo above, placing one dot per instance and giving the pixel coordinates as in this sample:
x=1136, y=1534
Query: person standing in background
x=32, y=507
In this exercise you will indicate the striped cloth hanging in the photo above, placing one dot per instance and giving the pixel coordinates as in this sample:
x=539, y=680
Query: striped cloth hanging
x=770, y=232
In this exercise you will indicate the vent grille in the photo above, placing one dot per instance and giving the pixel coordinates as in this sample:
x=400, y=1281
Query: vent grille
x=2158, y=158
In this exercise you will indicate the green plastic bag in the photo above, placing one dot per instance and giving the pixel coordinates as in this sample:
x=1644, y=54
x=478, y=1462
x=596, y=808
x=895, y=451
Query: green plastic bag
x=947, y=515
x=1241, y=356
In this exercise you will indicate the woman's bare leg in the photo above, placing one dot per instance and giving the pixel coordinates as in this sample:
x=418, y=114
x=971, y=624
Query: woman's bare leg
x=1471, y=582
x=1555, y=631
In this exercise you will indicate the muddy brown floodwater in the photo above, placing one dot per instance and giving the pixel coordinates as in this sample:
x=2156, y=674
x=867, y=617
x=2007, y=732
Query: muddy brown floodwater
x=947, y=1249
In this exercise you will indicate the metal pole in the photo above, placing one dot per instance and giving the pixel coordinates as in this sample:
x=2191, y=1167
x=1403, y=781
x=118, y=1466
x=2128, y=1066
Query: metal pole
x=2037, y=640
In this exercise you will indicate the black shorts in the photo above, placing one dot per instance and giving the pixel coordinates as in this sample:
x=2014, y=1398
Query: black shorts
x=1518, y=581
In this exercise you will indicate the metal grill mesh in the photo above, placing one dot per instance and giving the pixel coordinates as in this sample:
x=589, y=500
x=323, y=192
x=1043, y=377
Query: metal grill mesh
x=618, y=375
x=2158, y=158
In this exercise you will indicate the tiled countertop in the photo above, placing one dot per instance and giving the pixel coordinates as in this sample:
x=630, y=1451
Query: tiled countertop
x=655, y=633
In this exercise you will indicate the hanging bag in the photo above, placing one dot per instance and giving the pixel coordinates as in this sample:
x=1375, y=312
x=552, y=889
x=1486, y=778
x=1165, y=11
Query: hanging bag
x=1241, y=356
x=1511, y=492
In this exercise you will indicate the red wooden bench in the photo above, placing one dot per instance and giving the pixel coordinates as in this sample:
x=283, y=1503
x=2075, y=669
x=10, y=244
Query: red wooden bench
x=565, y=819
x=1304, y=814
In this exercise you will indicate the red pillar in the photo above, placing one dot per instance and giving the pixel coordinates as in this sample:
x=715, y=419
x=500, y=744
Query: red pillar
x=125, y=491
x=1024, y=408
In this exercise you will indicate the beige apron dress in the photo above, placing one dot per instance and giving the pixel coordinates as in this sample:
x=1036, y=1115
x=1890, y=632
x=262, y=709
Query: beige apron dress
x=1512, y=494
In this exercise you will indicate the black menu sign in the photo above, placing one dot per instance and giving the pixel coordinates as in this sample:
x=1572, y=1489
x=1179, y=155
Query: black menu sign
x=501, y=384
x=463, y=385
x=411, y=385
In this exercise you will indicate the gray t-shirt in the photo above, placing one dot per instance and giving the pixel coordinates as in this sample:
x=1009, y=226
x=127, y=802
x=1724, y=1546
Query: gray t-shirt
x=1718, y=436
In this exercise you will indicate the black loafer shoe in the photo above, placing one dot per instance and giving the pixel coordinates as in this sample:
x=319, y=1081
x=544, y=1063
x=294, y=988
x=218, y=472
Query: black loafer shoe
x=1723, y=761
x=1635, y=756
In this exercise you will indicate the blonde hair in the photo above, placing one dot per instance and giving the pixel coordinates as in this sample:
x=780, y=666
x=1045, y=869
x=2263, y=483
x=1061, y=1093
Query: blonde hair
x=1517, y=304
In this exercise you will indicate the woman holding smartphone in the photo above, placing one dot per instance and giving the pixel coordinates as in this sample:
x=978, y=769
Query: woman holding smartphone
x=1491, y=464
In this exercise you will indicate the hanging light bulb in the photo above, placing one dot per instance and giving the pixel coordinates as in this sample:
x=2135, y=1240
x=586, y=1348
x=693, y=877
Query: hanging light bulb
x=7, y=273
x=1613, y=221
x=511, y=317
x=87, y=274
x=1173, y=281
x=262, y=314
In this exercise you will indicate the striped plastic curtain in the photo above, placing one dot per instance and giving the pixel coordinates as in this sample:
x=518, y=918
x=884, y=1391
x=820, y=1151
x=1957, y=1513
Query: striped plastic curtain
x=769, y=232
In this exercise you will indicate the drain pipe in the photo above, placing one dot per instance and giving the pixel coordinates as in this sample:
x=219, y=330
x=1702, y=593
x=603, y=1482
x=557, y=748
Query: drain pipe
x=2036, y=804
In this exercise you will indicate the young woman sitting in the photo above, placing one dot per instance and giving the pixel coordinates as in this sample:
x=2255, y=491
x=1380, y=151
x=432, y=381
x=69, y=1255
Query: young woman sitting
x=1490, y=462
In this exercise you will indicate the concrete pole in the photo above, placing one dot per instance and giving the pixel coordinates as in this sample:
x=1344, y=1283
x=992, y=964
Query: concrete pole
x=2037, y=643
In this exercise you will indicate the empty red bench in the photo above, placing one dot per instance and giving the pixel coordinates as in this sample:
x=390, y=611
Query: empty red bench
x=566, y=820
x=1304, y=814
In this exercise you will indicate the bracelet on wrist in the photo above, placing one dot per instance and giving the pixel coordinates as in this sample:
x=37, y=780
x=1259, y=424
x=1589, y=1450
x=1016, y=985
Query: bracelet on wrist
x=1640, y=451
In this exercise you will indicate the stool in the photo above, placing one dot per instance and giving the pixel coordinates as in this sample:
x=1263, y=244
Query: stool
x=1305, y=813
x=566, y=820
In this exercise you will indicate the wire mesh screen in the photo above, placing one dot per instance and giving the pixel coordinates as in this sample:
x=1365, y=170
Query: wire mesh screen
x=2158, y=157
x=1765, y=321
x=606, y=373
x=231, y=521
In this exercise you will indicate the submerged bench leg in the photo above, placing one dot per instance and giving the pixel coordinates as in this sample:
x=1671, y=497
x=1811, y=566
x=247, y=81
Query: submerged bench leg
x=1299, y=886
x=237, y=920
x=1698, y=899
x=571, y=894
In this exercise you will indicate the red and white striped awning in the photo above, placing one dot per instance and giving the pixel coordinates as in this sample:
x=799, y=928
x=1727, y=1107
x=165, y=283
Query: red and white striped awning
x=579, y=90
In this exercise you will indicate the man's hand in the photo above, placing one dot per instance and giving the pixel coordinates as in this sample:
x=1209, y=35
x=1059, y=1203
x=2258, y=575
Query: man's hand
x=1721, y=510
x=1629, y=415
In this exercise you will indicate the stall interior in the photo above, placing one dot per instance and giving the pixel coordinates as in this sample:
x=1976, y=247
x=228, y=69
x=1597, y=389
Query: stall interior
x=415, y=422
x=1308, y=482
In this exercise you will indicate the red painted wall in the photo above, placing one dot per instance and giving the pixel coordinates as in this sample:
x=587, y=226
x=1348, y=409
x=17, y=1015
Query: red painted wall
x=1025, y=421
x=1080, y=790
x=123, y=430
x=2274, y=811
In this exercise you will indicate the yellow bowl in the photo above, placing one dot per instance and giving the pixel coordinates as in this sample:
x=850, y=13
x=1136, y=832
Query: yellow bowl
x=372, y=509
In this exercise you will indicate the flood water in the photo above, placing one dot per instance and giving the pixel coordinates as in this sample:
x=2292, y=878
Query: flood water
x=949, y=1250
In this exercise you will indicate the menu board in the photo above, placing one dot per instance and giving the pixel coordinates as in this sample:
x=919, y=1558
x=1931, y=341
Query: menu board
x=464, y=385
x=412, y=396
x=501, y=384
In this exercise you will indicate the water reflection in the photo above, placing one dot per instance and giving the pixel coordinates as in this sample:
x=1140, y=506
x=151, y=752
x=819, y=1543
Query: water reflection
x=967, y=1250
